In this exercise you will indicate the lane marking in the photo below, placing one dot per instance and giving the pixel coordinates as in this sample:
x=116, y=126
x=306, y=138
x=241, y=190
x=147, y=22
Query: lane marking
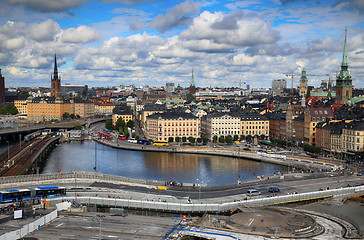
x=59, y=225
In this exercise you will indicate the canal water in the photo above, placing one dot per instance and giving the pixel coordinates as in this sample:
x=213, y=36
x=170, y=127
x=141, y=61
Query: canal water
x=187, y=168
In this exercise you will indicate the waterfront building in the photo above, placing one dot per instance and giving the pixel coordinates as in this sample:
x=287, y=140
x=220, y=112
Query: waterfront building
x=299, y=126
x=277, y=125
x=293, y=111
x=56, y=81
x=124, y=113
x=314, y=115
x=221, y=124
x=2, y=89
x=353, y=140
x=150, y=109
x=162, y=126
x=21, y=105
x=279, y=84
x=69, y=90
x=47, y=108
x=344, y=86
x=303, y=84
x=254, y=124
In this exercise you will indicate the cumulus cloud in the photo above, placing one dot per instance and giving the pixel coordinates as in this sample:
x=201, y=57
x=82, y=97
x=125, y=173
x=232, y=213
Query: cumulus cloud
x=243, y=31
x=48, y=5
x=179, y=15
x=13, y=43
x=44, y=31
x=82, y=34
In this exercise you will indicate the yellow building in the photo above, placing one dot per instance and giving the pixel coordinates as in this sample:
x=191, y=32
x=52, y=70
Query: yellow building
x=162, y=126
x=47, y=108
x=313, y=116
x=104, y=108
x=150, y=109
x=254, y=124
x=83, y=108
x=125, y=114
x=353, y=140
x=21, y=105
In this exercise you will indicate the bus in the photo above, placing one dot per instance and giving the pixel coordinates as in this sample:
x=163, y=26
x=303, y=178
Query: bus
x=49, y=191
x=14, y=195
x=160, y=143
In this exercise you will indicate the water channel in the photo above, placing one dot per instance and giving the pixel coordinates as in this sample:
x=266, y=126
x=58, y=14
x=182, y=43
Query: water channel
x=190, y=168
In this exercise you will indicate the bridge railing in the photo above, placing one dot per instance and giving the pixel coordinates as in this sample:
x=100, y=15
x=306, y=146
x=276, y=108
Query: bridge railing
x=76, y=175
x=202, y=207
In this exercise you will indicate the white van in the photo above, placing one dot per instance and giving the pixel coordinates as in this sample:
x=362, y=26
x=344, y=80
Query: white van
x=253, y=192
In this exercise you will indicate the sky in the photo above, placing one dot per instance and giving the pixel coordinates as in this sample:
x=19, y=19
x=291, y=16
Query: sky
x=105, y=43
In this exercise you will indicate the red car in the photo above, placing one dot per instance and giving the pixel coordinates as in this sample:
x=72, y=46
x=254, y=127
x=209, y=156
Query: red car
x=121, y=137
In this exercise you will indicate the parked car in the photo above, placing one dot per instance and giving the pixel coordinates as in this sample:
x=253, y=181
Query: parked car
x=132, y=140
x=273, y=189
x=253, y=192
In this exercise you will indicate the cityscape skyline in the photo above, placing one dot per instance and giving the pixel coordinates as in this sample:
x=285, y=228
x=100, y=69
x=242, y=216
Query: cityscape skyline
x=110, y=43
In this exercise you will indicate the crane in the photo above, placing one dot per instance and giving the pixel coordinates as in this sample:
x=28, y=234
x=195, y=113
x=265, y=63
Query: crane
x=239, y=83
x=291, y=75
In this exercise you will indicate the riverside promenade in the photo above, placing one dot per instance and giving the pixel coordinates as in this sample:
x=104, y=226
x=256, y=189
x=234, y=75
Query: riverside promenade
x=285, y=160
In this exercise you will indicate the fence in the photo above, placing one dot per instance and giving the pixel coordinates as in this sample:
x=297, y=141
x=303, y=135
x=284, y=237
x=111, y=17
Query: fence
x=22, y=232
x=208, y=207
x=76, y=175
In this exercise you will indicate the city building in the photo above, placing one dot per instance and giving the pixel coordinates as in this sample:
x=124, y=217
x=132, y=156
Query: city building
x=279, y=84
x=56, y=81
x=2, y=89
x=254, y=124
x=314, y=115
x=277, y=125
x=353, y=140
x=69, y=90
x=192, y=89
x=303, y=84
x=344, y=86
x=21, y=105
x=102, y=108
x=293, y=111
x=169, y=87
x=148, y=110
x=221, y=124
x=82, y=107
x=162, y=126
x=124, y=113
x=47, y=108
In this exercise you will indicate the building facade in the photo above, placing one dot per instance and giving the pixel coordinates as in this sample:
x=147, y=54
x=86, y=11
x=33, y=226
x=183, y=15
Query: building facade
x=47, y=109
x=162, y=126
x=124, y=113
x=69, y=90
x=21, y=105
x=313, y=116
x=303, y=84
x=293, y=111
x=221, y=124
x=82, y=107
x=104, y=108
x=279, y=84
x=254, y=124
x=353, y=140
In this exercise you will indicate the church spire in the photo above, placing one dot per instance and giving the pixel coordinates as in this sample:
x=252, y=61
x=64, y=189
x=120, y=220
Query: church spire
x=192, y=80
x=345, y=56
x=55, y=74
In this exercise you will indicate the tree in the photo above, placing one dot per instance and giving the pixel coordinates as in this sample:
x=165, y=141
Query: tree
x=205, y=140
x=221, y=139
x=120, y=123
x=262, y=136
x=184, y=139
x=199, y=140
x=66, y=115
x=78, y=127
x=236, y=137
x=130, y=124
x=177, y=139
x=215, y=138
x=78, y=116
x=242, y=137
x=229, y=139
x=24, y=95
x=249, y=137
x=126, y=132
x=170, y=139
x=8, y=109
x=72, y=116
x=192, y=140
x=108, y=124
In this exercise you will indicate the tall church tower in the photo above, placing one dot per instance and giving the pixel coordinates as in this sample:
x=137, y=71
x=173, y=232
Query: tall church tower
x=192, y=85
x=55, y=81
x=344, y=86
x=303, y=84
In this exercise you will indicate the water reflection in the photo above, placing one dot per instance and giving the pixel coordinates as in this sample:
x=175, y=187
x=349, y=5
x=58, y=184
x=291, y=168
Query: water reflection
x=212, y=170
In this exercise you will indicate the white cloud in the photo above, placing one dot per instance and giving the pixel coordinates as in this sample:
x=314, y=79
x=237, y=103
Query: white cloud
x=13, y=43
x=82, y=34
x=44, y=31
x=48, y=5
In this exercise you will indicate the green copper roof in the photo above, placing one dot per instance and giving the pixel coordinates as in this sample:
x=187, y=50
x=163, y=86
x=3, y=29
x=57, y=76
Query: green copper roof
x=192, y=80
x=303, y=75
x=344, y=78
x=345, y=56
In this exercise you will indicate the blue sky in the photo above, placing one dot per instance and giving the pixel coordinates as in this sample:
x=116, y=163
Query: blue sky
x=152, y=42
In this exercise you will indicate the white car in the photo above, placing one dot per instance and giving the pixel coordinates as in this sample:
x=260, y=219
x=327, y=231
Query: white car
x=132, y=140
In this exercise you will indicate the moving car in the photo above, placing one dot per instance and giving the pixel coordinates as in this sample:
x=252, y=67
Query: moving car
x=273, y=189
x=253, y=192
